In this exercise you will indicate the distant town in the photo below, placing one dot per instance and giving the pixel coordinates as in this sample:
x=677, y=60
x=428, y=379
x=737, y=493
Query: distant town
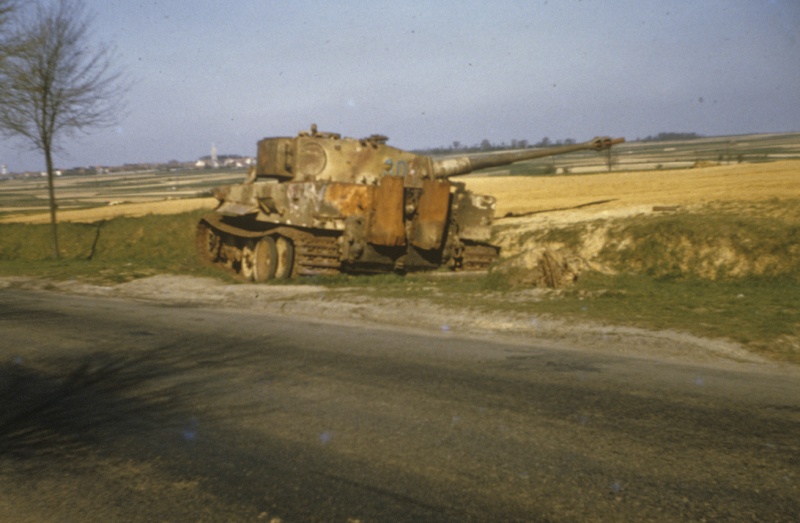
x=228, y=162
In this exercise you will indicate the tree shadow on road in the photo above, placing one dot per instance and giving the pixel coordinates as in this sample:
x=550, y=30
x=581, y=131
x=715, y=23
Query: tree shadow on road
x=95, y=399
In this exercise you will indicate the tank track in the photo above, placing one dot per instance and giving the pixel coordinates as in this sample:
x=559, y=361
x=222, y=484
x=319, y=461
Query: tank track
x=317, y=255
x=478, y=257
x=207, y=243
x=313, y=255
x=221, y=245
x=213, y=247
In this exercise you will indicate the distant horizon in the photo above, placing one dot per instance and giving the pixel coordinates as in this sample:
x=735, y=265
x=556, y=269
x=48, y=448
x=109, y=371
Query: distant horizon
x=463, y=147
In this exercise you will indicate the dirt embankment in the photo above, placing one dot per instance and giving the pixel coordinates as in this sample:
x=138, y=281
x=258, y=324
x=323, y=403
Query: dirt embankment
x=528, y=207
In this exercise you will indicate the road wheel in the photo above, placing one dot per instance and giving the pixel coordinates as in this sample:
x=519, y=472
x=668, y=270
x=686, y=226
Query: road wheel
x=266, y=260
x=248, y=263
x=285, y=257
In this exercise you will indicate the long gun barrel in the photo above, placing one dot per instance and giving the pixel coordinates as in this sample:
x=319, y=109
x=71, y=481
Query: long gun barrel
x=447, y=167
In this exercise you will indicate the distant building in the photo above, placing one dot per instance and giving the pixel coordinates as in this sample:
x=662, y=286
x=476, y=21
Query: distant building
x=214, y=159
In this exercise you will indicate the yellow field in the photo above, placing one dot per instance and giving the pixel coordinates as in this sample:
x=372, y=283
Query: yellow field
x=112, y=211
x=628, y=190
x=601, y=193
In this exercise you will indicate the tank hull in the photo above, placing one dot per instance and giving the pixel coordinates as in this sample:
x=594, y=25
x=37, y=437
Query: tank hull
x=334, y=227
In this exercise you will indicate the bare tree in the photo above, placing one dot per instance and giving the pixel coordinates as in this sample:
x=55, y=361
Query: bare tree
x=57, y=82
x=7, y=9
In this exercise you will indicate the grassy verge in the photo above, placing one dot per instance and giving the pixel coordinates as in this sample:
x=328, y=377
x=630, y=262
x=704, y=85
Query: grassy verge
x=758, y=310
x=114, y=251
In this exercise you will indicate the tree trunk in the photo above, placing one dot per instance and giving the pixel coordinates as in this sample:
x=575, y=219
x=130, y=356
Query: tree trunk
x=51, y=188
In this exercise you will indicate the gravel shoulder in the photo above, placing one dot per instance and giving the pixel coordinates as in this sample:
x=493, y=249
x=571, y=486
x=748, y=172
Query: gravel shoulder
x=342, y=306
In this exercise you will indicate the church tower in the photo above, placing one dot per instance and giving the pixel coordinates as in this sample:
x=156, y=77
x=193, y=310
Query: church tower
x=214, y=159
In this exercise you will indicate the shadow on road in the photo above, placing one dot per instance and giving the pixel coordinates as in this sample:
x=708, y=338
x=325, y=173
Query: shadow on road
x=95, y=399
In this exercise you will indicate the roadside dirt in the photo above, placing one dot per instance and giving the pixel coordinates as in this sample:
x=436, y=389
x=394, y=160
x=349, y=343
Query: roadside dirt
x=343, y=306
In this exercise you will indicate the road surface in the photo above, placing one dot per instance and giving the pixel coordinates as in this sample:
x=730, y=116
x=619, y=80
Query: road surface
x=115, y=410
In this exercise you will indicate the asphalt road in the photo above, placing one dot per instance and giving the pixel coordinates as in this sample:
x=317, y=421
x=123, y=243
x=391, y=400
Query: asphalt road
x=127, y=411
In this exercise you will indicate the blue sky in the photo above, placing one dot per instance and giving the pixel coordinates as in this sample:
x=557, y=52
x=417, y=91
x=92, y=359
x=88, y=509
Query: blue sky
x=427, y=73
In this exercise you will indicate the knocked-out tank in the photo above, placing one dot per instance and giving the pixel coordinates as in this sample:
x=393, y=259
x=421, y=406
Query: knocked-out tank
x=323, y=204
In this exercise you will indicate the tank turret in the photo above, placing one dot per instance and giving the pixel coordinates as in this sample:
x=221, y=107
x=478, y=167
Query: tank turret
x=319, y=203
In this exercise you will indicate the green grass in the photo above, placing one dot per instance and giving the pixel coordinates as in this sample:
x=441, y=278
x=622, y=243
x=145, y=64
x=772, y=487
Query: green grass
x=760, y=312
x=117, y=250
x=753, y=310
